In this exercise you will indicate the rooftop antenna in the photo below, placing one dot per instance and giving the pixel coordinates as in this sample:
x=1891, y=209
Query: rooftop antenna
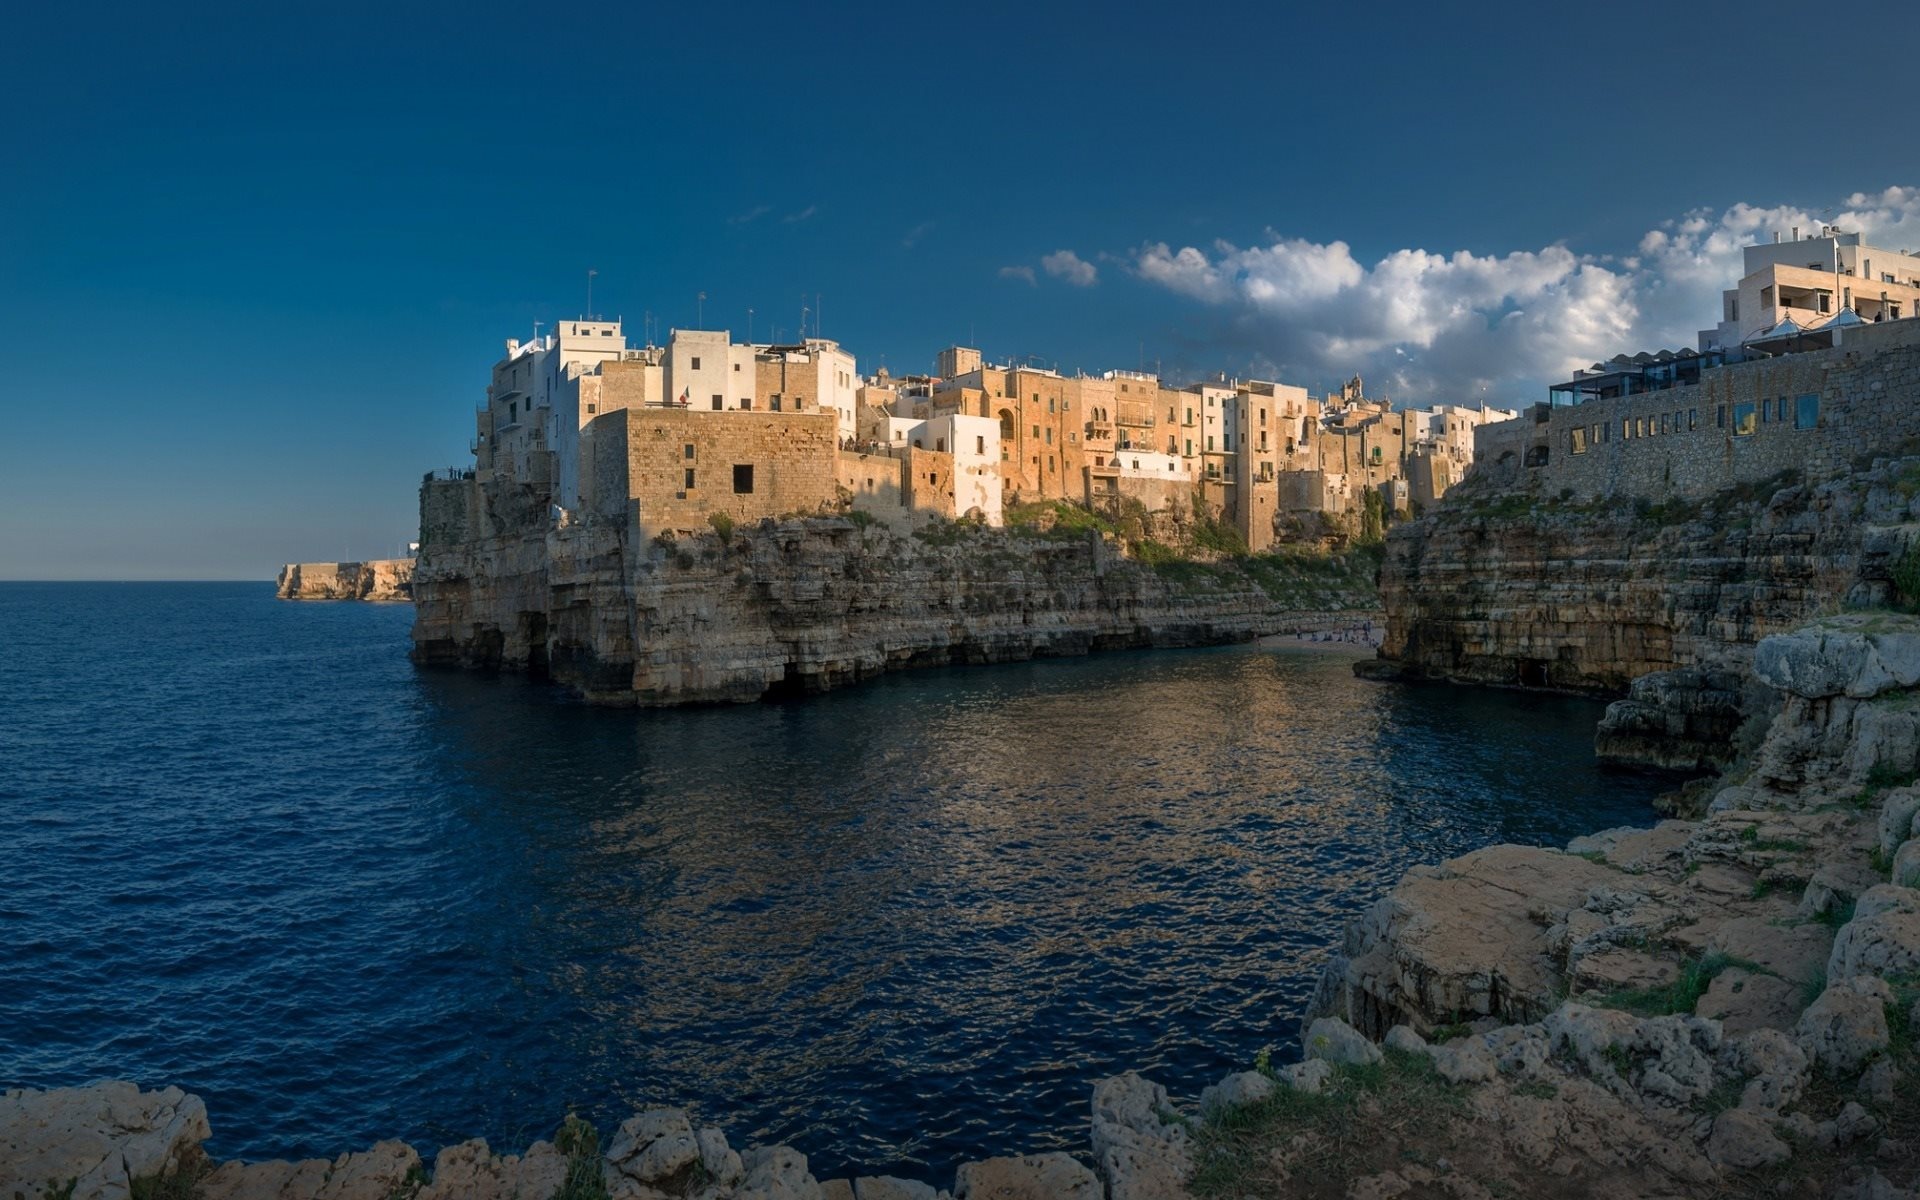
x=803, y=316
x=590, y=274
x=749, y=327
x=816, y=314
x=646, y=325
x=536, y=329
x=700, y=311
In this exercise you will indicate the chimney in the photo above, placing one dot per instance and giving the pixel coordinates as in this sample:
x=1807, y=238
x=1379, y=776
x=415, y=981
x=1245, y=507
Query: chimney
x=1796, y=233
x=1776, y=237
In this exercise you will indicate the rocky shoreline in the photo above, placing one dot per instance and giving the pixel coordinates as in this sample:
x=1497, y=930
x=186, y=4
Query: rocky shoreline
x=1722, y=1006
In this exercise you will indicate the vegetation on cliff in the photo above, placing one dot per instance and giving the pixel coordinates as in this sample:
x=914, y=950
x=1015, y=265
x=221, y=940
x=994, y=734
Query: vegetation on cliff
x=1200, y=553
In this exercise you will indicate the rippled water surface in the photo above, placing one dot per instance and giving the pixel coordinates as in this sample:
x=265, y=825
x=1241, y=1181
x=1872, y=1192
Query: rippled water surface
x=246, y=848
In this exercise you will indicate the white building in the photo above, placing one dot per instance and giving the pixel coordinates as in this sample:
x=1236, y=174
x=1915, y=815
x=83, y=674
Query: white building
x=533, y=399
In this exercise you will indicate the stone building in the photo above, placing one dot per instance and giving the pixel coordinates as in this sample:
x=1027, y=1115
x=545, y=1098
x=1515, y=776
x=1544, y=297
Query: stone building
x=1743, y=422
x=670, y=469
x=1805, y=283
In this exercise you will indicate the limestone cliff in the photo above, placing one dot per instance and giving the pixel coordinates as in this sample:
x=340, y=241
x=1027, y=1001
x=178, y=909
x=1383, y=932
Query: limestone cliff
x=809, y=604
x=376, y=579
x=1516, y=590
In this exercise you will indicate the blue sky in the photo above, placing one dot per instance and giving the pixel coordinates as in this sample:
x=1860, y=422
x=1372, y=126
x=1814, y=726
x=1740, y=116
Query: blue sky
x=255, y=261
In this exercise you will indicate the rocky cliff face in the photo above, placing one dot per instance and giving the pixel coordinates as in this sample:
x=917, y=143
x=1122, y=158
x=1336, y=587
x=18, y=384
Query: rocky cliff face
x=376, y=579
x=1522, y=591
x=816, y=603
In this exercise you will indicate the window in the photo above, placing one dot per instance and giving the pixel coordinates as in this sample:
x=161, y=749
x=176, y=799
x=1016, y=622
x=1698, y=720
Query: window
x=1806, y=411
x=1663, y=422
x=980, y=445
x=1578, y=438
x=1825, y=300
x=718, y=404
x=1745, y=422
x=1693, y=419
x=1049, y=435
x=590, y=408
x=688, y=451
x=1719, y=416
x=736, y=368
x=689, y=483
x=513, y=409
x=1049, y=462
x=743, y=479
x=940, y=445
x=1209, y=443
x=746, y=403
x=696, y=362
x=1639, y=427
x=1626, y=429
x=1036, y=431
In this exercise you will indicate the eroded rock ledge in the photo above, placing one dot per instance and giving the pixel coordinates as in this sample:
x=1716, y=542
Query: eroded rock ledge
x=809, y=604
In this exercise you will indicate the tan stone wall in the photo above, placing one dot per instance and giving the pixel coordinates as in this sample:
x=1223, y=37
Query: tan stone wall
x=795, y=384
x=792, y=458
x=930, y=482
x=876, y=484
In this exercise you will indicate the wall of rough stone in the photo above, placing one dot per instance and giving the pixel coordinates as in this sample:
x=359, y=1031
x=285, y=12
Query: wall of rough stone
x=1686, y=441
x=642, y=459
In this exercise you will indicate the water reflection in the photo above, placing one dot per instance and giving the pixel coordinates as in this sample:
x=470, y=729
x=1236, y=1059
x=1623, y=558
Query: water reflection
x=896, y=926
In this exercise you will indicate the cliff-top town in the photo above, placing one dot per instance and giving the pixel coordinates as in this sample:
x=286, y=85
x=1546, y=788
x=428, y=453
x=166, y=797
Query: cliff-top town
x=705, y=425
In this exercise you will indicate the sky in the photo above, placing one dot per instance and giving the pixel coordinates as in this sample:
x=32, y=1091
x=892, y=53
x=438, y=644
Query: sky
x=255, y=261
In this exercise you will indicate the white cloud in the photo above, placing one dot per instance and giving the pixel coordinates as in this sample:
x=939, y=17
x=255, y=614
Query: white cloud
x=915, y=234
x=794, y=218
x=1024, y=274
x=1065, y=264
x=751, y=215
x=1431, y=327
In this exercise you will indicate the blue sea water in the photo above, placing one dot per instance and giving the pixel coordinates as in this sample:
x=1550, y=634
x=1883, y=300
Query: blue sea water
x=247, y=848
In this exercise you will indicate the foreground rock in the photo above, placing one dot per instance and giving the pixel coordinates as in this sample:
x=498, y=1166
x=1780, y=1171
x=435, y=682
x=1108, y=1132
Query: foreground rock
x=95, y=1141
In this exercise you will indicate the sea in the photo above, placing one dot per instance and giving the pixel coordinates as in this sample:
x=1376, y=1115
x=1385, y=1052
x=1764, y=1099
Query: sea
x=246, y=847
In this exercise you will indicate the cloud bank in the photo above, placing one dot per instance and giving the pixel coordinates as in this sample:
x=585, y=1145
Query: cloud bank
x=1428, y=327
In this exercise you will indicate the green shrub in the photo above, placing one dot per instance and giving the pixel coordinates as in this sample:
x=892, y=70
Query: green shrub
x=722, y=525
x=580, y=1142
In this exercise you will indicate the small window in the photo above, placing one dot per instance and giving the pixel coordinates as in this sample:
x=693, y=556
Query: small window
x=1693, y=419
x=1626, y=429
x=1036, y=431
x=689, y=483
x=736, y=368
x=1719, y=416
x=1806, y=411
x=718, y=404
x=590, y=409
x=743, y=479
x=980, y=445
x=696, y=362
x=1745, y=421
x=1578, y=438
x=689, y=452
